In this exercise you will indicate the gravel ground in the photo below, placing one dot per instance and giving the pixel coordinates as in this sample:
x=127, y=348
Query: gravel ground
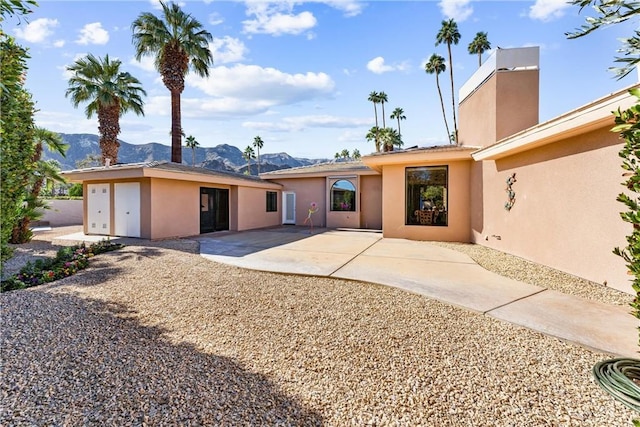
x=157, y=335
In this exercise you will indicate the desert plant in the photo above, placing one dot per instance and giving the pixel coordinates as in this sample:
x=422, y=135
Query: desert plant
x=628, y=125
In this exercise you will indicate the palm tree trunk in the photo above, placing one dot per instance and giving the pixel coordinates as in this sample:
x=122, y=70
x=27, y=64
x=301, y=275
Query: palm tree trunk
x=258, y=160
x=384, y=123
x=399, y=132
x=453, y=97
x=375, y=110
x=109, y=128
x=479, y=59
x=193, y=156
x=176, y=128
x=446, y=125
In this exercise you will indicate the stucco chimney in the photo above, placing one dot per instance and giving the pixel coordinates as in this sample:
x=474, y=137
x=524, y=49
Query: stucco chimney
x=501, y=98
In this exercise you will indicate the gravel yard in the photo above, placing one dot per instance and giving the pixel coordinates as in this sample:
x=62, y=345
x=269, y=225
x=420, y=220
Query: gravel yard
x=157, y=335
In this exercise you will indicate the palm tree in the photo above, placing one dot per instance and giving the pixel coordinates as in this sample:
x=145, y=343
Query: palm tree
x=345, y=154
x=179, y=44
x=109, y=92
x=382, y=98
x=373, y=134
x=258, y=143
x=249, y=154
x=356, y=154
x=436, y=65
x=193, y=144
x=479, y=45
x=449, y=34
x=375, y=98
x=390, y=138
x=45, y=170
x=398, y=114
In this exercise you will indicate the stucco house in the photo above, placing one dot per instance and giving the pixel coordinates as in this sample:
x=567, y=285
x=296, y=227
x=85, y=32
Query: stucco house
x=542, y=191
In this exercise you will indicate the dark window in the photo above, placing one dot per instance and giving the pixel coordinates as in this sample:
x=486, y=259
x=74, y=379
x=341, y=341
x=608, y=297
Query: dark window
x=272, y=201
x=343, y=196
x=427, y=202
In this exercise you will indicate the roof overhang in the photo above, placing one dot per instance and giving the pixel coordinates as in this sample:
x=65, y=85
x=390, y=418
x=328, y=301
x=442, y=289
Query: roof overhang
x=422, y=155
x=319, y=174
x=591, y=117
x=138, y=171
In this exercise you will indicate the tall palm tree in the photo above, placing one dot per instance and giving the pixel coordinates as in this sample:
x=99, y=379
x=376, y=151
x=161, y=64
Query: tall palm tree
x=479, y=45
x=193, y=144
x=449, y=34
x=373, y=135
x=109, y=93
x=45, y=170
x=390, y=138
x=179, y=44
x=356, y=154
x=436, y=65
x=249, y=154
x=258, y=143
x=398, y=114
x=382, y=98
x=375, y=98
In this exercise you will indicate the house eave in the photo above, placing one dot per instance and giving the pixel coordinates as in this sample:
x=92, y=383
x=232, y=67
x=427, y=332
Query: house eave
x=588, y=118
x=379, y=160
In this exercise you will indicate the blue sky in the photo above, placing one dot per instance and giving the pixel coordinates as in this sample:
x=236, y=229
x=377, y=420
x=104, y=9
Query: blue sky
x=298, y=74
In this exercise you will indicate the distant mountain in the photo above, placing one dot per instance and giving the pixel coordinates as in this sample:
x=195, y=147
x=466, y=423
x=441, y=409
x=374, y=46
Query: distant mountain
x=222, y=157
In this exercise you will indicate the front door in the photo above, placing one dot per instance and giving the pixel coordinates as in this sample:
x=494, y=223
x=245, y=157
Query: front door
x=214, y=209
x=289, y=207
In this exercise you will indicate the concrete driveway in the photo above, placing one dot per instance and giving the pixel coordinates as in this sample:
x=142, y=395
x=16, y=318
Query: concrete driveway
x=433, y=271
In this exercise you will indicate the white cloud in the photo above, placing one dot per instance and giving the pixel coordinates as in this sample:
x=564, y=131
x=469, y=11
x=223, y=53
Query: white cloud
x=215, y=19
x=156, y=4
x=146, y=63
x=37, y=31
x=93, y=34
x=58, y=43
x=459, y=10
x=349, y=7
x=252, y=82
x=227, y=50
x=548, y=10
x=278, y=23
x=377, y=65
x=300, y=123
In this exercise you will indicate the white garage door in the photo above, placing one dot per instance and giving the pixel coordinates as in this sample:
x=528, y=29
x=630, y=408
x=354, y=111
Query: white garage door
x=127, y=209
x=98, y=209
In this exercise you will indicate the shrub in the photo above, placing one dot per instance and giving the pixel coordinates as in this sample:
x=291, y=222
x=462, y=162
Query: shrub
x=75, y=190
x=68, y=261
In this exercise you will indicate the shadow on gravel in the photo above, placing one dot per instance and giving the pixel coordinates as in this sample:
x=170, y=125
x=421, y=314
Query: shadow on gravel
x=73, y=361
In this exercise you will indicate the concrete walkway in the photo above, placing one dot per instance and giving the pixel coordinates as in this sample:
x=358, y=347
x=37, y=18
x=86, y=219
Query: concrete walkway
x=429, y=270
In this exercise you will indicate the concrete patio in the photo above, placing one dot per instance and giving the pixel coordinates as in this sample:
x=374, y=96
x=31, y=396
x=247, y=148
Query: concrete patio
x=429, y=270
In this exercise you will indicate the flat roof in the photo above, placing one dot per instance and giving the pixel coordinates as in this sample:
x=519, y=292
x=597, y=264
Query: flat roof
x=435, y=153
x=352, y=167
x=165, y=170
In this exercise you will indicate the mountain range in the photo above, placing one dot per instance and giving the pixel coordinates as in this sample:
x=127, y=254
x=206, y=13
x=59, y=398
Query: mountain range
x=221, y=157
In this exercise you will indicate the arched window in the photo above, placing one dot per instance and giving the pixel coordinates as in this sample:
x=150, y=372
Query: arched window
x=343, y=196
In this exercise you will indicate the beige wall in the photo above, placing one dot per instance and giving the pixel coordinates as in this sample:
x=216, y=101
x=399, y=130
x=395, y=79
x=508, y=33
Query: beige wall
x=308, y=190
x=503, y=105
x=63, y=212
x=371, y=202
x=253, y=209
x=566, y=215
x=394, y=205
x=175, y=207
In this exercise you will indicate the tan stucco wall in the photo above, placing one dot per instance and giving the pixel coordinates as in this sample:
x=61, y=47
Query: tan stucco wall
x=566, y=215
x=254, y=209
x=506, y=103
x=175, y=208
x=394, y=205
x=308, y=190
x=371, y=202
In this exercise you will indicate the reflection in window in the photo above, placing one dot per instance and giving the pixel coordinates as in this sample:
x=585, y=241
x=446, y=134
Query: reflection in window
x=343, y=196
x=272, y=201
x=427, y=195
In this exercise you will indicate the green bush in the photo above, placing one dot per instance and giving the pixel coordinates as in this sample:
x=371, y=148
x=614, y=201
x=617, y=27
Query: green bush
x=75, y=190
x=68, y=261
